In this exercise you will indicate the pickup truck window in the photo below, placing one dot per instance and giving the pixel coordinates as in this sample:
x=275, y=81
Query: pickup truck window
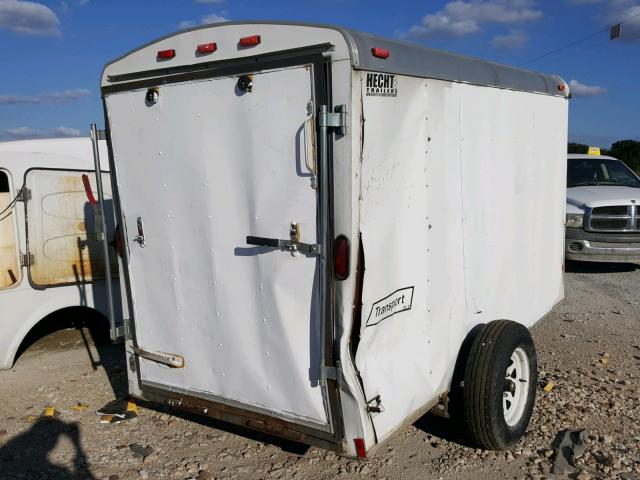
x=597, y=171
x=9, y=269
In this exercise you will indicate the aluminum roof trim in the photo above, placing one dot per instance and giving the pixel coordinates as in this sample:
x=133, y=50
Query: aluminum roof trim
x=413, y=60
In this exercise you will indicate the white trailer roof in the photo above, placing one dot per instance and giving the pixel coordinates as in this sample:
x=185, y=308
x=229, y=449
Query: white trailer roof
x=405, y=58
x=51, y=153
x=67, y=146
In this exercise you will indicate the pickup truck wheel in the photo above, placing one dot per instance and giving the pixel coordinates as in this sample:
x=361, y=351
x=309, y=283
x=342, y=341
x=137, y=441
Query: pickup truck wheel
x=500, y=385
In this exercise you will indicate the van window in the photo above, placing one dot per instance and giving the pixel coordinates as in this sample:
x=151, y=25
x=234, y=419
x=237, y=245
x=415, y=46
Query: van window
x=61, y=228
x=9, y=260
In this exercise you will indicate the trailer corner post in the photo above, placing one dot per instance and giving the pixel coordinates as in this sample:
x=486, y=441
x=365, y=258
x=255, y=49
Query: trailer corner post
x=323, y=160
x=113, y=331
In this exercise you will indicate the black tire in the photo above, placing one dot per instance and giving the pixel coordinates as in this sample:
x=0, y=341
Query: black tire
x=485, y=384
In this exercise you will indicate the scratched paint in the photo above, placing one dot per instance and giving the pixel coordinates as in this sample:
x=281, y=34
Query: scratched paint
x=62, y=228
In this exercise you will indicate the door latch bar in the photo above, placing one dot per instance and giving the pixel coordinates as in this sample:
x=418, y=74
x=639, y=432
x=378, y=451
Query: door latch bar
x=288, y=245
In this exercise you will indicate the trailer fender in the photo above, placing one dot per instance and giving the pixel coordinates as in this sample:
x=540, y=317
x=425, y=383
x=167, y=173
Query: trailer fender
x=11, y=345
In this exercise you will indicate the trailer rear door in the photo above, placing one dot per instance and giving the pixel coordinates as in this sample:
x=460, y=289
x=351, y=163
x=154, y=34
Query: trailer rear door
x=198, y=171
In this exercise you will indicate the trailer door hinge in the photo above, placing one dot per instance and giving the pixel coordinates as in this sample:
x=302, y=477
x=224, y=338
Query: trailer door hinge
x=336, y=120
x=26, y=259
x=24, y=195
x=121, y=331
x=333, y=373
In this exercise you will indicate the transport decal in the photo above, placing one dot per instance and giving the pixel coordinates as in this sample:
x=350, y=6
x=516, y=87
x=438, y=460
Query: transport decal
x=381, y=85
x=396, y=302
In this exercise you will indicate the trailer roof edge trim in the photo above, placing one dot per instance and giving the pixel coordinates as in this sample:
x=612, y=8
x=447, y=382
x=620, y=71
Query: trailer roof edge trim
x=412, y=60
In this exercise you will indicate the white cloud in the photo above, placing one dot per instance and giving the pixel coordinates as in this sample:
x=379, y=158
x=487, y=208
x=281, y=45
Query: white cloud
x=460, y=17
x=28, y=17
x=186, y=24
x=24, y=133
x=513, y=39
x=47, y=97
x=67, y=132
x=581, y=90
x=204, y=20
x=213, y=18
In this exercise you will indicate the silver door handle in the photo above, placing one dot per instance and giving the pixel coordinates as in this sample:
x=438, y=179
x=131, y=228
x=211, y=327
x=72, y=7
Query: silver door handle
x=140, y=237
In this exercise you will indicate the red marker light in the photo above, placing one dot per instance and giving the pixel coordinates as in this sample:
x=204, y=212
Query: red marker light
x=561, y=87
x=380, y=52
x=361, y=450
x=341, y=257
x=166, y=54
x=207, y=47
x=251, y=41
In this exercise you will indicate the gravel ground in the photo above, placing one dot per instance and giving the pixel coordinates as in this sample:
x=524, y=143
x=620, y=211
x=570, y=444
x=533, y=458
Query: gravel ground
x=589, y=347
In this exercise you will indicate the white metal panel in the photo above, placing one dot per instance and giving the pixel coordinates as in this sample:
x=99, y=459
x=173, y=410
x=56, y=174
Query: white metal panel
x=205, y=167
x=514, y=185
x=462, y=199
x=393, y=356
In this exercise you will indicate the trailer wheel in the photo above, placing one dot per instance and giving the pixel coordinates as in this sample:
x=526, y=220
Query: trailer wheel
x=500, y=385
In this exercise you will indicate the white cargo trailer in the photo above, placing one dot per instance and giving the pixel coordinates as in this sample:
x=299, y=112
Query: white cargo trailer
x=321, y=224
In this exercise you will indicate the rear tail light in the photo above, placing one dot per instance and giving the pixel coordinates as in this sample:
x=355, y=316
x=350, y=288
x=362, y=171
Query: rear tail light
x=380, y=52
x=207, y=47
x=341, y=257
x=361, y=450
x=166, y=54
x=251, y=41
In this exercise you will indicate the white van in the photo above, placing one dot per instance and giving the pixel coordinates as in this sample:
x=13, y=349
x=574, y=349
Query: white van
x=50, y=258
x=317, y=219
x=603, y=210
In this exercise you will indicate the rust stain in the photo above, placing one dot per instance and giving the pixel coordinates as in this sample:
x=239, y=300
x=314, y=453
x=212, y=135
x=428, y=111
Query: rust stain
x=64, y=242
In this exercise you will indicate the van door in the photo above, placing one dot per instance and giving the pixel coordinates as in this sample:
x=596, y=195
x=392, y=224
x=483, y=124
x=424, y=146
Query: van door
x=62, y=241
x=201, y=166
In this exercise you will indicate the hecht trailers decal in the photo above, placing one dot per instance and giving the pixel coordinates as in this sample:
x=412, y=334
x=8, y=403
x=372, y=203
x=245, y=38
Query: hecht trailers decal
x=381, y=85
x=398, y=301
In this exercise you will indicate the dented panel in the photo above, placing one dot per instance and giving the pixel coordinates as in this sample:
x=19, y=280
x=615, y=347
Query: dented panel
x=62, y=228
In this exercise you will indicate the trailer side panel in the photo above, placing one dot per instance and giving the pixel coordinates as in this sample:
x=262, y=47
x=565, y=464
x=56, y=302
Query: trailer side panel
x=461, y=220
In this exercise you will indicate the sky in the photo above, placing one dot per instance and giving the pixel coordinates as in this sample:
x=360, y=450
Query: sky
x=52, y=52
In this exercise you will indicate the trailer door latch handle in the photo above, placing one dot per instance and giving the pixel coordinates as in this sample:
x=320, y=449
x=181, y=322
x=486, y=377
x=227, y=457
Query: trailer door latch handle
x=288, y=245
x=170, y=359
x=140, y=237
